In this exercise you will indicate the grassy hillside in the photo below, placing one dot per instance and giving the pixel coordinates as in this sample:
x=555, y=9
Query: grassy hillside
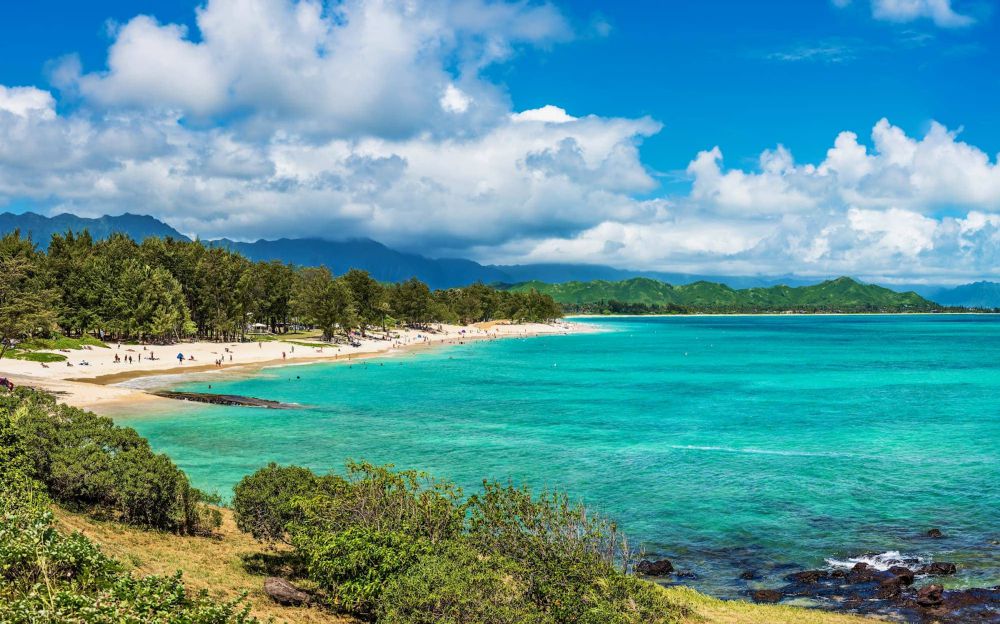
x=642, y=295
x=216, y=564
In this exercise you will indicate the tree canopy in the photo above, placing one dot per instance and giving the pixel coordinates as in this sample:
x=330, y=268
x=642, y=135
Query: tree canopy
x=164, y=289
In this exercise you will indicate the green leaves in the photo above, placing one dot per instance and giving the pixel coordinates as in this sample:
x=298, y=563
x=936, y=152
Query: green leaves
x=46, y=576
x=88, y=462
x=325, y=302
x=267, y=502
x=354, y=565
x=404, y=548
x=27, y=303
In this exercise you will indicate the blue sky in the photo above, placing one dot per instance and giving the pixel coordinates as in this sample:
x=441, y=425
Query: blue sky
x=666, y=135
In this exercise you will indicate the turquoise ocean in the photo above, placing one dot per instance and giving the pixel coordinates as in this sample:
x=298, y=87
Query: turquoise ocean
x=723, y=443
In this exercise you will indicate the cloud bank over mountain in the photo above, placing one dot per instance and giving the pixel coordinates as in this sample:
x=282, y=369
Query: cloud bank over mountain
x=376, y=118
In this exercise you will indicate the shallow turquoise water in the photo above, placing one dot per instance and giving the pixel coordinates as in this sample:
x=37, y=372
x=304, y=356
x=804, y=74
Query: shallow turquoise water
x=724, y=443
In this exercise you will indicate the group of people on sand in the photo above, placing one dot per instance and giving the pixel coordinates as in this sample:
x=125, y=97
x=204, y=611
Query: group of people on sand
x=128, y=359
x=222, y=360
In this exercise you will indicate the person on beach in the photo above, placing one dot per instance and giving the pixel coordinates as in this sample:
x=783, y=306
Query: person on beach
x=180, y=358
x=283, y=355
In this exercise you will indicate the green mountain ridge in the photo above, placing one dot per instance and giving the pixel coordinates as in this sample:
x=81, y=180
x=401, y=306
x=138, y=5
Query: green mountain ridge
x=640, y=295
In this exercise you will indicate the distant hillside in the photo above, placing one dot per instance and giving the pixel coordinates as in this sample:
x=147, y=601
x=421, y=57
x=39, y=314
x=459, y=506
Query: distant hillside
x=555, y=273
x=975, y=295
x=41, y=228
x=645, y=295
x=383, y=263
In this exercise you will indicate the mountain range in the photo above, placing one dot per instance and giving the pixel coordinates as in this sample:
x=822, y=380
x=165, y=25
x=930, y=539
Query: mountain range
x=841, y=294
x=388, y=264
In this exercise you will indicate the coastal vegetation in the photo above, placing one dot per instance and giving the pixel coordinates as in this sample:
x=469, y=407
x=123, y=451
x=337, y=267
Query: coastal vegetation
x=648, y=296
x=164, y=290
x=400, y=546
x=86, y=462
x=48, y=576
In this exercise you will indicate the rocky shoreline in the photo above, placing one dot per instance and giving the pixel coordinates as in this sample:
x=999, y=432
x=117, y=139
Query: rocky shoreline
x=223, y=399
x=909, y=591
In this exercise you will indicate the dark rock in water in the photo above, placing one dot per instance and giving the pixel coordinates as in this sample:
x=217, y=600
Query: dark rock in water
x=930, y=595
x=938, y=568
x=890, y=588
x=749, y=575
x=969, y=605
x=283, y=592
x=808, y=577
x=223, y=399
x=935, y=534
x=765, y=595
x=862, y=573
x=905, y=575
x=687, y=574
x=661, y=567
x=865, y=589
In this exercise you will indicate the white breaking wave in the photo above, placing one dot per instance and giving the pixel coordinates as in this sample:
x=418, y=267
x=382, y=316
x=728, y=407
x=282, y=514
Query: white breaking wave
x=755, y=451
x=880, y=561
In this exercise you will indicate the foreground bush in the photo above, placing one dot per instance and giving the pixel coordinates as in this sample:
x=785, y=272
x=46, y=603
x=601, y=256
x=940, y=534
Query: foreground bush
x=354, y=565
x=87, y=462
x=401, y=547
x=458, y=585
x=46, y=576
x=265, y=502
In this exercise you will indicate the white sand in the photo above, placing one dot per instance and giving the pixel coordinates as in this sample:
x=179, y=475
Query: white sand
x=87, y=385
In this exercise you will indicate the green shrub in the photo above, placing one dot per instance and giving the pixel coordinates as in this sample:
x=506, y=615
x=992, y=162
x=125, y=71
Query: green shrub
x=46, y=576
x=87, y=462
x=266, y=502
x=380, y=498
x=565, y=548
x=617, y=598
x=404, y=548
x=457, y=585
x=353, y=566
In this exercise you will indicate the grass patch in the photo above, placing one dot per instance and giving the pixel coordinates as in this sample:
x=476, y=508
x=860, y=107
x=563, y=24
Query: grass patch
x=34, y=356
x=282, y=337
x=60, y=342
x=215, y=564
x=302, y=343
x=704, y=609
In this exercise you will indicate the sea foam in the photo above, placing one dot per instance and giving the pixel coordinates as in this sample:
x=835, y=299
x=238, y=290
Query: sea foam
x=879, y=561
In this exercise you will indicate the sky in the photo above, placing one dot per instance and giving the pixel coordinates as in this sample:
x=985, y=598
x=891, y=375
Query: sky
x=814, y=138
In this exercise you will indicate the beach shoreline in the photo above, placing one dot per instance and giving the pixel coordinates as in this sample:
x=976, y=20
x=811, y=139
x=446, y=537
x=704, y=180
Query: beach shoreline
x=102, y=385
x=569, y=317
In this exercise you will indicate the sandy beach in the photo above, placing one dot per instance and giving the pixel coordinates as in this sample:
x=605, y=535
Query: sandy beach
x=92, y=379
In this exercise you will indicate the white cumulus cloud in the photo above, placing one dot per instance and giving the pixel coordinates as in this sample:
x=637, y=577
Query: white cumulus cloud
x=941, y=12
x=375, y=118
